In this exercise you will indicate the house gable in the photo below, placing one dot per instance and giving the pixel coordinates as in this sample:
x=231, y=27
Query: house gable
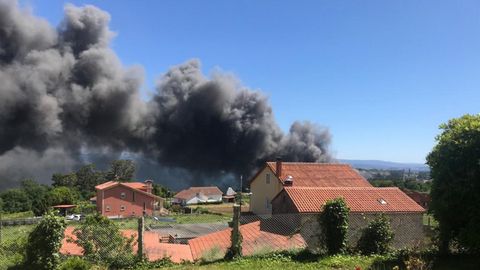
x=263, y=191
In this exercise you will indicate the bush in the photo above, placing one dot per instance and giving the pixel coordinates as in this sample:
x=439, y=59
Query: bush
x=377, y=237
x=334, y=220
x=75, y=263
x=44, y=242
x=176, y=208
x=102, y=241
x=201, y=210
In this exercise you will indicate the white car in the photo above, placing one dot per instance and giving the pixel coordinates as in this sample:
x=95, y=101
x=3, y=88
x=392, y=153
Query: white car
x=75, y=217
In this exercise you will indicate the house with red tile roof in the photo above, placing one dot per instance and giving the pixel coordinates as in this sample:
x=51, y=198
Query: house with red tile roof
x=122, y=199
x=274, y=176
x=301, y=207
x=196, y=195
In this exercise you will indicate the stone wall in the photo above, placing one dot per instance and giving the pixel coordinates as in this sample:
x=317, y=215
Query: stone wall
x=407, y=227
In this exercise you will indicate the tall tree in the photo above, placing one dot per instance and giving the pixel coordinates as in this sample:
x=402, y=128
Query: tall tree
x=64, y=180
x=455, y=169
x=15, y=200
x=62, y=195
x=122, y=170
x=87, y=179
x=37, y=194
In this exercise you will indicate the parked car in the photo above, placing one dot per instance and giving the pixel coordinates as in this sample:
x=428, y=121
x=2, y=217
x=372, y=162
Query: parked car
x=75, y=217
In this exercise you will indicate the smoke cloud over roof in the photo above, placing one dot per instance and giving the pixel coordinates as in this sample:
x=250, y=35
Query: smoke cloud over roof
x=65, y=98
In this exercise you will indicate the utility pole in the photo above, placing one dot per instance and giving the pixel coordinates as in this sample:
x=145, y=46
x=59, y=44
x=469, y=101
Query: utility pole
x=241, y=187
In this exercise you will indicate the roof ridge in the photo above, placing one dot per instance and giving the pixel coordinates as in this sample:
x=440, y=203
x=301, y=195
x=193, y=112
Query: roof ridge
x=342, y=188
x=310, y=163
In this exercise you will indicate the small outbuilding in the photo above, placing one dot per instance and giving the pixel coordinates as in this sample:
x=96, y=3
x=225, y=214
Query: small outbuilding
x=229, y=196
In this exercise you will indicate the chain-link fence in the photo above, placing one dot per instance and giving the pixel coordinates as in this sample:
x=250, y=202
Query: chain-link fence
x=202, y=235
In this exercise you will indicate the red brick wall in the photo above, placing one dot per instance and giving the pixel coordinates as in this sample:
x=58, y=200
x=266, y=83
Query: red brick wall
x=133, y=202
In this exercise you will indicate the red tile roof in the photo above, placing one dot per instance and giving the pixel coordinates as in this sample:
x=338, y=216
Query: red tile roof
x=257, y=236
x=358, y=199
x=192, y=191
x=138, y=186
x=106, y=185
x=154, y=250
x=320, y=174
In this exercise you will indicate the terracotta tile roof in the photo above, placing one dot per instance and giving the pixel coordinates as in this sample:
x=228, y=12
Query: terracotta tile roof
x=257, y=236
x=192, y=191
x=358, y=199
x=154, y=250
x=320, y=174
x=106, y=185
x=138, y=186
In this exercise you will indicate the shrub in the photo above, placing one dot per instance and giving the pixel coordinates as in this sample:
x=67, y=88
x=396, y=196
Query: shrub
x=334, y=221
x=376, y=237
x=44, y=242
x=236, y=237
x=75, y=263
x=102, y=241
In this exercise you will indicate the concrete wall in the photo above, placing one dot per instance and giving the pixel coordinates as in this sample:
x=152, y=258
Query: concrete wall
x=407, y=227
x=263, y=192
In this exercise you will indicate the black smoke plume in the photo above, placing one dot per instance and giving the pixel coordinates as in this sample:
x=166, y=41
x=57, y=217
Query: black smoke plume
x=66, y=99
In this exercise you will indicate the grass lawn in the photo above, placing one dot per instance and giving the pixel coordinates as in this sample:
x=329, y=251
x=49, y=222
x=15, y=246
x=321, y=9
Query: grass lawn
x=13, y=233
x=19, y=215
x=132, y=223
x=284, y=262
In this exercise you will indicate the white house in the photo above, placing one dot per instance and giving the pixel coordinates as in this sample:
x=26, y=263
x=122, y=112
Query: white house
x=196, y=195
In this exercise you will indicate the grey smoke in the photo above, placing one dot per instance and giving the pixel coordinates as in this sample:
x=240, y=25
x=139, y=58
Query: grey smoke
x=65, y=99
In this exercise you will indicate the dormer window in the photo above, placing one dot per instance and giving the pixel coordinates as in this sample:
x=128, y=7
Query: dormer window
x=267, y=178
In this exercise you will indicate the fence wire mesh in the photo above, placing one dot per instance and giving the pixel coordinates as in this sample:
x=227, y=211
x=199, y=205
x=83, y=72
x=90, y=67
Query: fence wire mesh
x=201, y=235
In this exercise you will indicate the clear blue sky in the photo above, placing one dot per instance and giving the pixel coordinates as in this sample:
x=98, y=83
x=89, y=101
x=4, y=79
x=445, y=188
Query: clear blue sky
x=382, y=75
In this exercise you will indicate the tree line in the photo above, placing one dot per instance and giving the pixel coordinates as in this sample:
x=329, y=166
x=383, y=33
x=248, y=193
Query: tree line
x=75, y=187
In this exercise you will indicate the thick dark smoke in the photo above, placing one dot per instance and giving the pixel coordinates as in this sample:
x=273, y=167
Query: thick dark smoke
x=66, y=99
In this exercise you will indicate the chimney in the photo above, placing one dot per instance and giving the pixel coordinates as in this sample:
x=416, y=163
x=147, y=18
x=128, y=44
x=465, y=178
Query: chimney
x=149, y=184
x=279, y=167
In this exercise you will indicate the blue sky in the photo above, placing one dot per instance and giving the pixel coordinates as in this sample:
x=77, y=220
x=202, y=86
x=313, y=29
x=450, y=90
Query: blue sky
x=381, y=75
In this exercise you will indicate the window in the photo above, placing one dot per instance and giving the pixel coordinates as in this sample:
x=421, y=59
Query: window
x=267, y=203
x=123, y=195
x=122, y=208
x=107, y=208
x=267, y=178
x=133, y=196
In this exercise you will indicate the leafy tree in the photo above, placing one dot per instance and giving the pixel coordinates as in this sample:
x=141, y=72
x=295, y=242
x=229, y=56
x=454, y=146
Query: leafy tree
x=44, y=242
x=37, y=194
x=62, y=195
x=334, y=220
x=15, y=200
x=376, y=237
x=121, y=170
x=64, y=180
x=87, y=179
x=455, y=169
x=102, y=241
x=161, y=191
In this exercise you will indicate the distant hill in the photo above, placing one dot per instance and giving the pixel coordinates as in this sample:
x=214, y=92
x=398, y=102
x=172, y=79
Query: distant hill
x=384, y=165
